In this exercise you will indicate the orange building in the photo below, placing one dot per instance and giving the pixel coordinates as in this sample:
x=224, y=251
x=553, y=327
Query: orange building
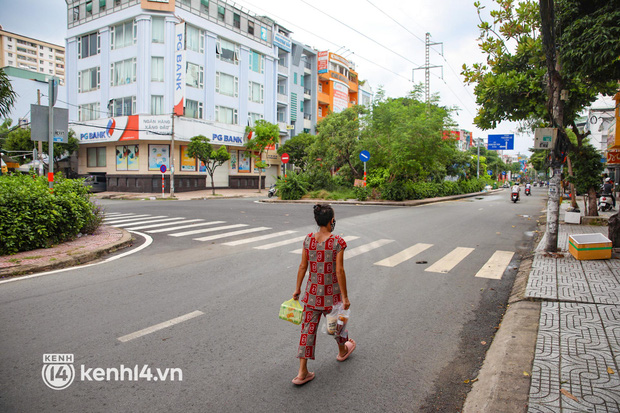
x=338, y=84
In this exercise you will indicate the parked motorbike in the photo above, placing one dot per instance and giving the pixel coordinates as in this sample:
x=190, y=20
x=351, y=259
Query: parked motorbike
x=514, y=197
x=528, y=191
x=272, y=191
x=605, y=202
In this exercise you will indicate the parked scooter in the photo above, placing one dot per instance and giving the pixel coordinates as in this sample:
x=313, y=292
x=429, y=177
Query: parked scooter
x=272, y=190
x=605, y=202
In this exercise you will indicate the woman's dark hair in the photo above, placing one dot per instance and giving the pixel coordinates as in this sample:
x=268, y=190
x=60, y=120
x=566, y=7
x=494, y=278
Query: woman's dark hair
x=323, y=214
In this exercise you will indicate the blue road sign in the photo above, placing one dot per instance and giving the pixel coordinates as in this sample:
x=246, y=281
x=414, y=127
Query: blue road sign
x=162, y=169
x=364, y=156
x=504, y=173
x=490, y=172
x=501, y=142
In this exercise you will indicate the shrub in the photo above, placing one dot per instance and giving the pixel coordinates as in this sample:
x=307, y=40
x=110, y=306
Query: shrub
x=294, y=186
x=362, y=193
x=376, y=177
x=397, y=190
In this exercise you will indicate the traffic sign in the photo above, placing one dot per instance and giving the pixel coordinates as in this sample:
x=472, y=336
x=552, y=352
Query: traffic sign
x=501, y=142
x=162, y=169
x=504, y=173
x=490, y=172
x=285, y=158
x=364, y=156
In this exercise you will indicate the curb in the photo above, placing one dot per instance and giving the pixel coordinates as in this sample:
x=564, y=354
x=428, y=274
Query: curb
x=415, y=202
x=125, y=241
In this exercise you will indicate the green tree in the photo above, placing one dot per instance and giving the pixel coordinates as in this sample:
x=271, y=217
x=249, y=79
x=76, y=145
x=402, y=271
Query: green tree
x=264, y=134
x=7, y=95
x=297, y=148
x=588, y=168
x=199, y=147
x=18, y=139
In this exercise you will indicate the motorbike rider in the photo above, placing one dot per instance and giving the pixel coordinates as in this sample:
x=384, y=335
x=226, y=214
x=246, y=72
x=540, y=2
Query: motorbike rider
x=528, y=187
x=608, y=189
x=516, y=189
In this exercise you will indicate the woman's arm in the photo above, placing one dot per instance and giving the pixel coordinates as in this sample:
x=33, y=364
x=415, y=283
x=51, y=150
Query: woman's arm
x=342, y=279
x=301, y=273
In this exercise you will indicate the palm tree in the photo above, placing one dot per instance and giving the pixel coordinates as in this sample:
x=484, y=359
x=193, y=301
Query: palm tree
x=7, y=95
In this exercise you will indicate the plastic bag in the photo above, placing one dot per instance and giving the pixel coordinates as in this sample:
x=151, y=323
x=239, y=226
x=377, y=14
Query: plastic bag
x=292, y=311
x=337, y=320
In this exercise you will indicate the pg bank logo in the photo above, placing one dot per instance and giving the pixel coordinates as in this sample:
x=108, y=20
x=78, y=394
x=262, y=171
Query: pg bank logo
x=58, y=372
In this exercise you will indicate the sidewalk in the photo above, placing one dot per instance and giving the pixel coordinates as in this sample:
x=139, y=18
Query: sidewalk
x=563, y=332
x=185, y=196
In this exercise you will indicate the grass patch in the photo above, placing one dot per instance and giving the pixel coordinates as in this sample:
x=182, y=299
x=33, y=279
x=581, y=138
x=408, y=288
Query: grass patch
x=53, y=259
x=15, y=260
x=337, y=195
x=34, y=257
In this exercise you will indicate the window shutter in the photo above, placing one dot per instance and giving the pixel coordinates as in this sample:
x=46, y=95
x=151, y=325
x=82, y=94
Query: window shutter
x=237, y=53
x=112, y=74
x=202, y=41
x=98, y=77
x=262, y=94
x=236, y=86
x=201, y=77
x=135, y=32
x=218, y=48
x=217, y=82
x=80, y=82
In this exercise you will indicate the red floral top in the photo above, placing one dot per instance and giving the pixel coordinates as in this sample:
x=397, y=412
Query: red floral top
x=322, y=289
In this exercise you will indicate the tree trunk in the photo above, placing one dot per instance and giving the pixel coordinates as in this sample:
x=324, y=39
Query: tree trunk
x=613, y=230
x=592, y=207
x=573, y=193
x=553, y=212
x=212, y=183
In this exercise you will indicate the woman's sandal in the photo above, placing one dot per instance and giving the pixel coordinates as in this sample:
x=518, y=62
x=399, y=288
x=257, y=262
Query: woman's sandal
x=299, y=382
x=350, y=345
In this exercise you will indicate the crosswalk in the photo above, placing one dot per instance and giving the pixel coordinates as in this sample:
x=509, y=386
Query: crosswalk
x=199, y=229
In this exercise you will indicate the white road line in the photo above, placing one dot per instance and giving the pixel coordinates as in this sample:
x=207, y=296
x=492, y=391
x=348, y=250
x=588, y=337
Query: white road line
x=202, y=224
x=280, y=243
x=116, y=214
x=152, y=220
x=128, y=216
x=130, y=221
x=496, y=265
x=299, y=251
x=404, y=255
x=165, y=224
x=231, y=234
x=160, y=326
x=259, y=238
x=365, y=248
x=200, y=231
x=451, y=260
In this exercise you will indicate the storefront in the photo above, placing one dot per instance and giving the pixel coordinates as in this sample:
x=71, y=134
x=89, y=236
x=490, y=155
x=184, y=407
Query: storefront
x=130, y=151
x=613, y=143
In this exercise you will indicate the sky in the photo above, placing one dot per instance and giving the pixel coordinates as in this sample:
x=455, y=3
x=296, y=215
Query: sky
x=384, y=38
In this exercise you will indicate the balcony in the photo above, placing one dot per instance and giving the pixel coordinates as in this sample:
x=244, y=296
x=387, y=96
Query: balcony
x=282, y=98
x=282, y=70
x=307, y=94
x=307, y=123
x=324, y=98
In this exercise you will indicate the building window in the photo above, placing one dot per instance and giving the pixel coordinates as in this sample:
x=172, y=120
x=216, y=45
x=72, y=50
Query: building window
x=95, y=157
x=257, y=62
x=253, y=117
x=281, y=88
x=195, y=39
x=88, y=79
x=295, y=78
x=123, y=72
x=76, y=15
x=282, y=61
x=89, y=8
x=87, y=46
x=226, y=115
x=193, y=109
x=227, y=51
x=205, y=6
x=124, y=34
x=320, y=87
x=89, y=111
x=157, y=29
x=281, y=116
x=157, y=105
x=302, y=80
x=157, y=69
x=251, y=28
x=236, y=20
x=194, y=75
x=256, y=92
x=221, y=13
x=226, y=84
x=102, y=5
x=123, y=106
x=301, y=106
x=320, y=111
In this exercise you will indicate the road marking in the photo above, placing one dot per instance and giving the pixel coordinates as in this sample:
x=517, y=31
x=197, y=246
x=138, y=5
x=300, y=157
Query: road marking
x=160, y=326
x=200, y=231
x=280, y=243
x=202, y=224
x=116, y=214
x=367, y=247
x=496, y=265
x=450, y=261
x=299, y=251
x=231, y=234
x=165, y=224
x=153, y=220
x=131, y=221
x=404, y=255
x=259, y=238
x=130, y=216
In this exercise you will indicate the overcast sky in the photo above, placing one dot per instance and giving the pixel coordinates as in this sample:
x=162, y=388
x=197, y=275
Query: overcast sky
x=384, y=38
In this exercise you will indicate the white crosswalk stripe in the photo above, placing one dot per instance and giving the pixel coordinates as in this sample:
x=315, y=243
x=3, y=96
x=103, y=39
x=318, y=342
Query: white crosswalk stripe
x=165, y=224
x=404, y=255
x=259, y=238
x=280, y=243
x=496, y=265
x=116, y=214
x=134, y=219
x=299, y=251
x=231, y=234
x=202, y=224
x=149, y=221
x=451, y=260
x=200, y=231
x=366, y=247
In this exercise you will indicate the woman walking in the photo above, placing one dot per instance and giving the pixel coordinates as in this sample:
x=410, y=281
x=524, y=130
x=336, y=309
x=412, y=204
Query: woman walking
x=323, y=254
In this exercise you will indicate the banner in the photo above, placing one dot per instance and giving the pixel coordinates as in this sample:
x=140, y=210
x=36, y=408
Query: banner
x=179, y=69
x=341, y=97
x=187, y=163
x=323, y=61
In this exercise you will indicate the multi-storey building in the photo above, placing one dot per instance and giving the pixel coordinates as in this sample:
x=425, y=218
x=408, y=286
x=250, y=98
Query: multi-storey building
x=338, y=84
x=131, y=63
x=31, y=54
x=303, y=89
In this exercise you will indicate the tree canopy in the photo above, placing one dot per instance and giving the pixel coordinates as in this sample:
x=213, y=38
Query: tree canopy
x=199, y=147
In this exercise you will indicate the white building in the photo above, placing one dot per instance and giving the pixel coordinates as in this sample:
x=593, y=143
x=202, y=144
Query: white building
x=130, y=62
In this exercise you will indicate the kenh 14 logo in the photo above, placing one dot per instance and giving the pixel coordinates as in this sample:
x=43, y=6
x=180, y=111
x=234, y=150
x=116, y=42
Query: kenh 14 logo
x=58, y=372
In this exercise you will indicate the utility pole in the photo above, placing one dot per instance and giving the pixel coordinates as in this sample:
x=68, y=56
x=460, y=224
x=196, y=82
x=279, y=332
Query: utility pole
x=427, y=67
x=40, y=154
x=52, y=100
x=172, y=159
x=478, y=159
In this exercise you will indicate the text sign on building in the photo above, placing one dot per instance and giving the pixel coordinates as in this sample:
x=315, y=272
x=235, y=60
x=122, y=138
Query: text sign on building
x=613, y=156
x=39, y=127
x=501, y=142
x=179, y=69
x=341, y=97
x=323, y=61
x=544, y=138
x=282, y=42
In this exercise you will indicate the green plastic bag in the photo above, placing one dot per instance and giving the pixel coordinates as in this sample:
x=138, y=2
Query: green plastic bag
x=292, y=311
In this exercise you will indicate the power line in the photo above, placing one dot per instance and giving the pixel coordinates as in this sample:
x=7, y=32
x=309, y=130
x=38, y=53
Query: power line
x=396, y=21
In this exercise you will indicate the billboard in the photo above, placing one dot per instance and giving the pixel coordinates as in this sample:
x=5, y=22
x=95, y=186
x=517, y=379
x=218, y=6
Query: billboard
x=341, y=97
x=323, y=61
x=179, y=69
x=501, y=142
x=125, y=128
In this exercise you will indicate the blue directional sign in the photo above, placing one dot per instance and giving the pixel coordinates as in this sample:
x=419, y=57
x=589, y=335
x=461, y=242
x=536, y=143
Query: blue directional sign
x=364, y=156
x=501, y=142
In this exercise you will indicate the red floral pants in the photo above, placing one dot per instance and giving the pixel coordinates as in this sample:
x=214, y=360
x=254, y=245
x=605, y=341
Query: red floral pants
x=309, y=326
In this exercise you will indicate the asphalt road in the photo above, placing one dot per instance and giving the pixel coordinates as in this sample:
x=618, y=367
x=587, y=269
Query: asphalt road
x=420, y=334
